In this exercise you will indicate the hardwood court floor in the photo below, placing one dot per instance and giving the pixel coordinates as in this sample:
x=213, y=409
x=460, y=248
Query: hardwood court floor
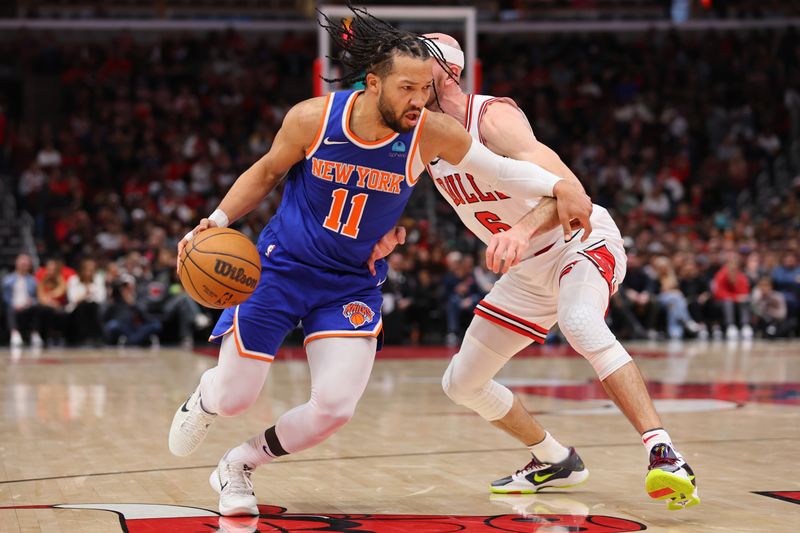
x=90, y=427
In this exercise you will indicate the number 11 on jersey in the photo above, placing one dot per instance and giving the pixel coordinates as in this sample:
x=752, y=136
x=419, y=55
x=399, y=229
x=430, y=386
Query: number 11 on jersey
x=334, y=218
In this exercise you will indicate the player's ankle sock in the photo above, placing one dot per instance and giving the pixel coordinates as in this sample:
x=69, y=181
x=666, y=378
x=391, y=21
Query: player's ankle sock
x=261, y=449
x=549, y=450
x=654, y=436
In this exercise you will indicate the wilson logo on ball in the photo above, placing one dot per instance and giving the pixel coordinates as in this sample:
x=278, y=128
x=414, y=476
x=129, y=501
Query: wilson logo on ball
x=223, y=268
x=358, y=313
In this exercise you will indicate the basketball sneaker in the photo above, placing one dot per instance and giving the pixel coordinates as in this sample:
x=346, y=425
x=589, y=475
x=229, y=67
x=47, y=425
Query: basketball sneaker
x=670, y=478
x=189, y=426
x=232, y=483
x=537, y=475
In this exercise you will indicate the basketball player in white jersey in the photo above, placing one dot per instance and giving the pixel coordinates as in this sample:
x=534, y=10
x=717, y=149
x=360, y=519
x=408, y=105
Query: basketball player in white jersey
x=548, y=277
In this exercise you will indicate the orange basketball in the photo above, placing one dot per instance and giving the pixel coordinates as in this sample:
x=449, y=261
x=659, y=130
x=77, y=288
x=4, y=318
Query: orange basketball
x=220, y=268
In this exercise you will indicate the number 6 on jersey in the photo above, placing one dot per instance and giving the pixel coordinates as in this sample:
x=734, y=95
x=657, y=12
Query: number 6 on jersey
x=333, y=220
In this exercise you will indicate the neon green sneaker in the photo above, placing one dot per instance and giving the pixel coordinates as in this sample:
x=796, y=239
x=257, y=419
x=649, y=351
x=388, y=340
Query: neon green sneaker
x=537, y=475
x=670, y=478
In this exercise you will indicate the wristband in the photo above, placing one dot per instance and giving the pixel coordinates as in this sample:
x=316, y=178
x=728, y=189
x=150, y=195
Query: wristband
x=219, y=218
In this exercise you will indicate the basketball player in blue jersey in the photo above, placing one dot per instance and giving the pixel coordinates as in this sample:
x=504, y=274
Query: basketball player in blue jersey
x=351, y=160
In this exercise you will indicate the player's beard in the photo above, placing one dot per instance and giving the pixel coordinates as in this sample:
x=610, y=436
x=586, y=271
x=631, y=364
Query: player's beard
x=390, y=119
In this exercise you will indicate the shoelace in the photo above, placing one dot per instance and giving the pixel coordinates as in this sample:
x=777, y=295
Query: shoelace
x=533, y=466
x=660, y=460
x=239, y=480
x=196, y=423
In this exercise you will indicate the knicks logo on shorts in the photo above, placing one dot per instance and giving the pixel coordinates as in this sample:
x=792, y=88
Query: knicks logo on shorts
x=358, y=313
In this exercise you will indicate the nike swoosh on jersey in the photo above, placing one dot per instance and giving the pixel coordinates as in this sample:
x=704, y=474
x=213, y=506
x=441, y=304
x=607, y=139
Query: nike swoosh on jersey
x=329, y=142
x=183, y=407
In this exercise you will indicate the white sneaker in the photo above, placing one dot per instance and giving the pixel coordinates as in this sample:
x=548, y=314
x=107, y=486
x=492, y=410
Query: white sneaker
x=189, y=426
x=16, y=339
x=36, y=340
x=232, y=483
x=732, y=333
x=747, y=332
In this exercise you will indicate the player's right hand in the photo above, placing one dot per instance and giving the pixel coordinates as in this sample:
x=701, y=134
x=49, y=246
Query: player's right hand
x=573, y=203
x=202, y=226
x=506, y=249
x=385, y=246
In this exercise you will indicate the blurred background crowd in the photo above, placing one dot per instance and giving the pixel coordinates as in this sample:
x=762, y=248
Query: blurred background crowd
x=690, y=139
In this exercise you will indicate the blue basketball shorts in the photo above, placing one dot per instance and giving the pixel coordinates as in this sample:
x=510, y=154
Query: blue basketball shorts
x=325, y=303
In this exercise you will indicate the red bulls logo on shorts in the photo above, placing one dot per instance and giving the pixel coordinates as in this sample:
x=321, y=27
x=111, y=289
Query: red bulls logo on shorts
x=358, y=313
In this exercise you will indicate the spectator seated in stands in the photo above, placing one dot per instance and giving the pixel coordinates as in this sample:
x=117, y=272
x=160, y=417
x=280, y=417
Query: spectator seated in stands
x=732, y=293
x=696, y=287
x=786, y=277
x=22, y=308
x=125, y=321
x=461, y=294
x=635, y=301
x=163, y=298
x=770, y=311
x=52, y=294
x=672, y=300
x=86, y=292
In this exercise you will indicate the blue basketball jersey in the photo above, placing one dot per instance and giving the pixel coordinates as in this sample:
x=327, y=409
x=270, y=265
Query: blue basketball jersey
x=346, y=194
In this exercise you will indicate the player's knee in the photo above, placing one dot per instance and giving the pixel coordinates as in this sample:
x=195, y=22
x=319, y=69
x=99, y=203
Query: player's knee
x=456, y=389
x=490, y=400
x=334, y=410
x=233, y=402
x=586, y=330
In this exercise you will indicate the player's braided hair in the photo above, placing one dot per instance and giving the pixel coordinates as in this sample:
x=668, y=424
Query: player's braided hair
x=369, y=44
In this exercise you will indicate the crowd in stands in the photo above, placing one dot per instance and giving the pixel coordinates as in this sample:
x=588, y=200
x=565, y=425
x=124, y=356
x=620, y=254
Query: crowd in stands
x=691, y=140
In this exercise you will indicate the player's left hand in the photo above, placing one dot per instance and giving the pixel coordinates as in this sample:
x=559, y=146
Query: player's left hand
x=506, y=248
x=385, y=246
x=572, y=204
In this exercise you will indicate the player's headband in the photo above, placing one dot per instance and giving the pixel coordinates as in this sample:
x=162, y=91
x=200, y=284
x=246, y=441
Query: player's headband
x=451, y=54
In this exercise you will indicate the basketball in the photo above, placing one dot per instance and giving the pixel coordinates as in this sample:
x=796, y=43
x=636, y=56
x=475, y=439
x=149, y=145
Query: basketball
x=220, y=268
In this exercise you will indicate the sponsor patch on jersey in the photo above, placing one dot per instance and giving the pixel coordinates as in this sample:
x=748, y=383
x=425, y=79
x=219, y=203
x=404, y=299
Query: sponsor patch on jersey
x=358, y=313
x=399, y=146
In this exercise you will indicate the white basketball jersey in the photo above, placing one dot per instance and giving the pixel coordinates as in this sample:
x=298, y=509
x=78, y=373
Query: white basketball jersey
x=483, y=210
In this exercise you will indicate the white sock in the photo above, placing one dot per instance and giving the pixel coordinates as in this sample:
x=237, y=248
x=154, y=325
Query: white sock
x=656, y=436
x=549, y=450
x=253, y=452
